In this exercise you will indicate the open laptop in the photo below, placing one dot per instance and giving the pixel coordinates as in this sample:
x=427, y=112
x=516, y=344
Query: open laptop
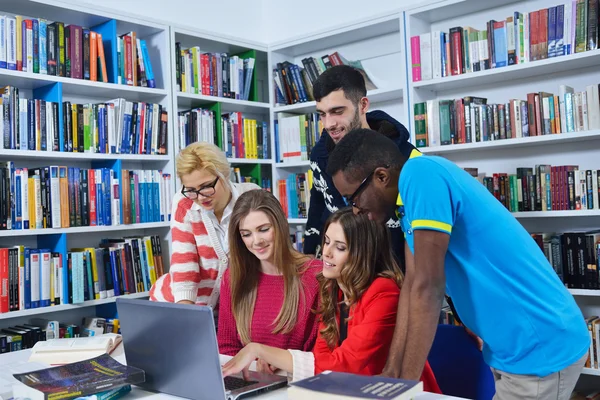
x=176, y=345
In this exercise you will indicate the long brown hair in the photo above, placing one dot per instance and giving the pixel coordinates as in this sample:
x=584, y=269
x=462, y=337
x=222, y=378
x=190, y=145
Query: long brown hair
x=370, y=256
x=244, y=267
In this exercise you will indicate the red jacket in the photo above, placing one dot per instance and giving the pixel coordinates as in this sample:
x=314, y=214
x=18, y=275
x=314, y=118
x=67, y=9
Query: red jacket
x=370, y=331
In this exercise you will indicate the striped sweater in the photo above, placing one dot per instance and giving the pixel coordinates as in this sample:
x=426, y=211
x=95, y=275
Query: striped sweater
x=198, y=260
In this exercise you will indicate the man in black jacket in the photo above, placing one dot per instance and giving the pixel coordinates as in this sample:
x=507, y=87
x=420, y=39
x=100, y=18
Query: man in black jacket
x=343, y=105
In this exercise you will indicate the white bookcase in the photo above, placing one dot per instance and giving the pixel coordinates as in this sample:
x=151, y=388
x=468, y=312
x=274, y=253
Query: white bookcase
x=499, y=86
x=85, y=91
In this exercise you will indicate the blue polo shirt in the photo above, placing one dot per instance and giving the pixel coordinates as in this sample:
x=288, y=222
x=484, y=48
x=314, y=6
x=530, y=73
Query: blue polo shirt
x=502, y=286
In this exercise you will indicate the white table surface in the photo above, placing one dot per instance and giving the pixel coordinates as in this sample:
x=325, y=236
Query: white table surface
x=19, y=360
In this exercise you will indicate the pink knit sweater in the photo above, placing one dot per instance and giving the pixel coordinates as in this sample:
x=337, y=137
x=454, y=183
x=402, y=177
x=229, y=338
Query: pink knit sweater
x=269, y=299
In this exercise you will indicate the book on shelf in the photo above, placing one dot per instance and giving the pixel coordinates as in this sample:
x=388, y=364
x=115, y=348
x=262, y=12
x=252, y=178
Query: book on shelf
x=295, y=137
x=473, y=119
x=70, y=350
x=117, y=126
x=62, y=197
x=342, y=385
x=82, y=378
x=237, y=177
x=213, y=74
x=236, y=135
x=294, y=84
x=294, y=194
x=517, y=38
x=39, y=278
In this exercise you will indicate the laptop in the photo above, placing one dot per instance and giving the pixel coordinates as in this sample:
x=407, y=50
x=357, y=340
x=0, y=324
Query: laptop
x=176, y=345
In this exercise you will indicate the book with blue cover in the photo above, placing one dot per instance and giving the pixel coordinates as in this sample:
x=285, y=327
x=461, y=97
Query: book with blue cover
x=350, y=386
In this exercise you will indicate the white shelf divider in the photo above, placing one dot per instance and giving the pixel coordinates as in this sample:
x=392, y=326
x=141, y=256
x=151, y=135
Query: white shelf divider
x=83, y=229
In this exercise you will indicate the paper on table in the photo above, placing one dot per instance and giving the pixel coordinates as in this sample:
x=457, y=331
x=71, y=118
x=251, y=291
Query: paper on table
x=6, y=375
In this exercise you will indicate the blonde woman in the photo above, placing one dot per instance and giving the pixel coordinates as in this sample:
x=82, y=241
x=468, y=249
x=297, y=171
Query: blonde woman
x=199, y=224
x=270, y=289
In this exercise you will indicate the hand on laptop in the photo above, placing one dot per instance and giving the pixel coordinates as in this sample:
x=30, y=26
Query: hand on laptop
x=241, y=361
x=264, y=367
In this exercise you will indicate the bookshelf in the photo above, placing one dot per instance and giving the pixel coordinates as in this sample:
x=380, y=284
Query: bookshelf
x=377, y=42
x=500, y=85
x=60, y=89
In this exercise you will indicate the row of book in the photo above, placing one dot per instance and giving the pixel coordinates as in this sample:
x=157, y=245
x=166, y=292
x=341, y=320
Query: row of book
x=37, y=278
x=574, y=257
x=239, y=137
x=294, y=194
x=237, y=177
x=62, y=197
x=116, y=127
x=471, y=119
x=25, y=336
x=213, y=74
x=545, y=188
x=35, y=45
x=295, y=136
x=294, y=84
x=520, y=38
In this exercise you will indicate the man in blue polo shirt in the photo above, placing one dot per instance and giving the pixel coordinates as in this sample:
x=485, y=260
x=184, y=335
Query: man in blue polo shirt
x=461, y=241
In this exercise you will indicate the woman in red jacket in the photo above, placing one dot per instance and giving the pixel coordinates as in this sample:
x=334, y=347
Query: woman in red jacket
x=360, y=280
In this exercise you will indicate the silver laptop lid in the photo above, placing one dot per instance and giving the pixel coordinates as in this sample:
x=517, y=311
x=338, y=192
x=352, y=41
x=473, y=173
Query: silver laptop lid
x=175, y=344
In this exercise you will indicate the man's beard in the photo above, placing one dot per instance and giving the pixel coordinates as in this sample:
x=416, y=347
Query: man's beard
x=355, y=123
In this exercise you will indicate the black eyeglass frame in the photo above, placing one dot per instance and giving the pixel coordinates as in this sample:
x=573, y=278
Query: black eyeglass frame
x=199, y=191
x=365, y=182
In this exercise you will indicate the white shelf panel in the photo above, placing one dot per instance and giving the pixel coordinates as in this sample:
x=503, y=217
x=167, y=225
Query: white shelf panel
x=81, y=87
x=58, y=155
x=83, y=229
x=516, y=142
x=514, y=72
x=452, y=9
x=557, y=214
x=293, y=164
x=375, y=96
x=249, y=161
x=297, y=221
x=585, y=292
x=68, y=307
x=190, y=100
x=591, y=371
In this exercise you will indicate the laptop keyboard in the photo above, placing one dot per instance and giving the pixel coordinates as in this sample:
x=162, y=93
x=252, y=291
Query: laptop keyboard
x=233, y=383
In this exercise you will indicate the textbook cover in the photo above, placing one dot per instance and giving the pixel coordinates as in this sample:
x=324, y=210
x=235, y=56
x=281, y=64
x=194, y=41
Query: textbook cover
x=351, y=386
x=84, y=378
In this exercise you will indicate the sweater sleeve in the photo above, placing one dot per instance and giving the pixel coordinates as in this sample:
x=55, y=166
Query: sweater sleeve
x=185, y=268
x=314, y=225
x=303, y=363
x=370, y=340
x=227, y=336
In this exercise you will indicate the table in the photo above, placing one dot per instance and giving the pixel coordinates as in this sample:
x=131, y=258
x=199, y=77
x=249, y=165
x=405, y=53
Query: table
x=18, y=360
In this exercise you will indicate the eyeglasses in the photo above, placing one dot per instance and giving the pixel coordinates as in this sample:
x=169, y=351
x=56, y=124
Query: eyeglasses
x=350, y=199
x=205, y=191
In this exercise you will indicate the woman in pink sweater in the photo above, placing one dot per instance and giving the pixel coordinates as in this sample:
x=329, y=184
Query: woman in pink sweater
x=199, y=223
x=269, y=290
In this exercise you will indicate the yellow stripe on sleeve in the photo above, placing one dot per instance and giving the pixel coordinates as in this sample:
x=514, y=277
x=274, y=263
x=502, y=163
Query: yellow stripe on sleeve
x=427, y=223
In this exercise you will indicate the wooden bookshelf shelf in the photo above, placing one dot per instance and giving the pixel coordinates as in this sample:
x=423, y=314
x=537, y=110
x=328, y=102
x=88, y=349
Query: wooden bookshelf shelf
x=557, y=214
x=514, y=143
x=293, y=164
x=58, y=155
x=68, y=307
x=514, y=72
x=81, y=87
x=83, y=229
x=297, y=221
x=585, y=292
x=190, y=100
x=375, y=96
x=249, y=161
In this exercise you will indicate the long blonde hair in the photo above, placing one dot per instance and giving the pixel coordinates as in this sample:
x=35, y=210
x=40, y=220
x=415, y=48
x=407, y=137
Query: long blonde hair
x=370, y=256
x=244, y=267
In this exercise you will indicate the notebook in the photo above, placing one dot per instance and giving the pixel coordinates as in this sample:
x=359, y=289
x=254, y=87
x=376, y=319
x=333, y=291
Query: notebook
x=65, y=351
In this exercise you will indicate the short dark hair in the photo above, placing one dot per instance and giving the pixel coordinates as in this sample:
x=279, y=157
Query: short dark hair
x=344, y=77
x=361, y=151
